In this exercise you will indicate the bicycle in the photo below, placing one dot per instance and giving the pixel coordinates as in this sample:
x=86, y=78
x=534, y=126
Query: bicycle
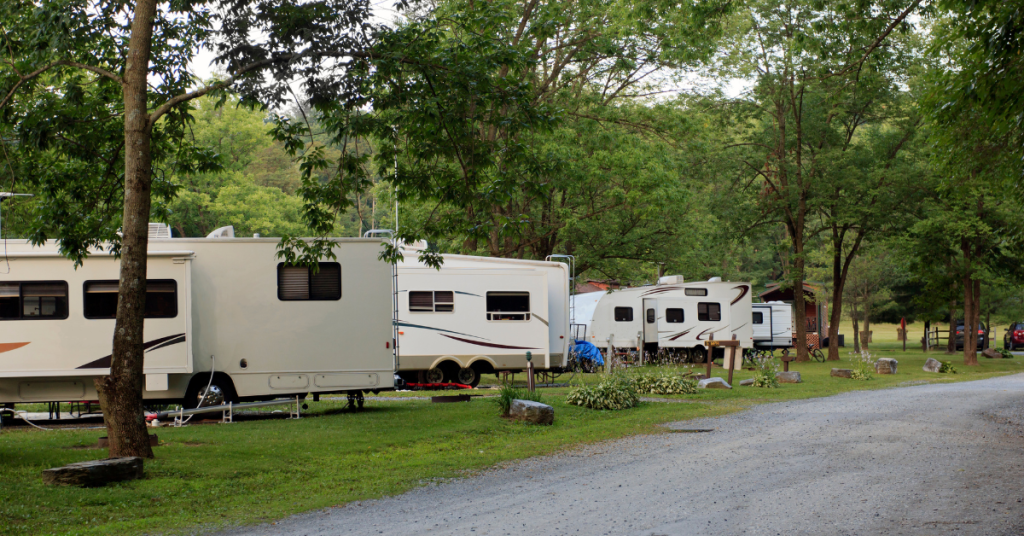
x=815, y=353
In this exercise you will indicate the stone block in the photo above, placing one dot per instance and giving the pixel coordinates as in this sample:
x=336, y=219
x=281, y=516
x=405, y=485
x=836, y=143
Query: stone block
x=748, y=381
x=886, y=365
x=95, y=473
x=932, y=365
x=713, y=383
x=788, y=377
x=991, y=353
x=842, y=373
x=530, y=411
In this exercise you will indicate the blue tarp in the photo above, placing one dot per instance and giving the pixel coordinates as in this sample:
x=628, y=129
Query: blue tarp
x=585, y=350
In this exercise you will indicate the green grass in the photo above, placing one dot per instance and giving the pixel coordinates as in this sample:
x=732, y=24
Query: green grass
x=208, y=476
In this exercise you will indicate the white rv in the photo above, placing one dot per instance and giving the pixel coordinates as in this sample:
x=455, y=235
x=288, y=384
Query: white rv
x=480, y=315
x=225, y=305
x=773, y=325
x=671, y=315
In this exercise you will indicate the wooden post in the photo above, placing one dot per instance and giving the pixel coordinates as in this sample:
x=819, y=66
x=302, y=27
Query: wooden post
x=732, y=359
x=710, y=346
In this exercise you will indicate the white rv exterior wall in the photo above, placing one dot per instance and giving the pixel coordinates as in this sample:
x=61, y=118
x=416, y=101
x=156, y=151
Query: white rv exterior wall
x=549, y=320
x=603, y=329
x=227, y=308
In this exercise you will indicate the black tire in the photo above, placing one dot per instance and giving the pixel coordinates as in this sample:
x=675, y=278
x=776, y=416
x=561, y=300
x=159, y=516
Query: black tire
x=468, y=376
x=434, y=375
x=198, y=384
x=818, y=355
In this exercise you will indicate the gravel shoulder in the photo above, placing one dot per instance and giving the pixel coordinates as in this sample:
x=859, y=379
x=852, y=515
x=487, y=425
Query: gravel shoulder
x=921, y=460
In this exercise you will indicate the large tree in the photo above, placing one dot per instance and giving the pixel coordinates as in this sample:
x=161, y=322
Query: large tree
x=97, y=94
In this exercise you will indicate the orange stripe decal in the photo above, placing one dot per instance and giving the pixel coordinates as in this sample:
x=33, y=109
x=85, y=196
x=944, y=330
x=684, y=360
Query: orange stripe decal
x=8, y=346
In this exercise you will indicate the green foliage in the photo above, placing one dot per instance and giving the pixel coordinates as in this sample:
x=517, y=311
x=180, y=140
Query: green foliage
x=508, y=393
x=1005, y=353
x=947, y=368
x=615, y=392
x=863, y=365
x=765, y=369
x=664, y=382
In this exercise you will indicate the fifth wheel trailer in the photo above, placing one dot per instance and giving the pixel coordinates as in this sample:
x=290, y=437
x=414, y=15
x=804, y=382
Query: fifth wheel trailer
x=220, y=305
x=480, y=315
x=672, y=315
x=773, y=324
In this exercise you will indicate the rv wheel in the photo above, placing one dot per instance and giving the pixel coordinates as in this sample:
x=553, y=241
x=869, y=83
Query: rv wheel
x=434, y=375
x=469, y=376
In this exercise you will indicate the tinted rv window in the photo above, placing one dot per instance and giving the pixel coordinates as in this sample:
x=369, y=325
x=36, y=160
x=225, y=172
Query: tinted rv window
x=695, y=292
x=709, y=312
x=508, y=306
x=300, y=283
x=674, y=316
x=758, y=318
x=43, y=300
x=623, y=314
x=100, y=299
x=650, y=316
x=431, y=301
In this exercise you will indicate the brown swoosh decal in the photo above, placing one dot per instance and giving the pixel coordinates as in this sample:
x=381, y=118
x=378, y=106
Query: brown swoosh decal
x=659, y=290
x=744, y=289
x=709, y=329
x=681, y=334
x=8, y=346
x=490, y=345
x=104, y=362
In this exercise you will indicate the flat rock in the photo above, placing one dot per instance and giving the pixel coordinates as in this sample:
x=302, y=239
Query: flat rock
x=932, y=365
x=95, y=472
x=748, y=381
x=713, y=383
x=530, y=411
x=842, y=373
x=991, y=353
x=788, y=377
x=886, y=365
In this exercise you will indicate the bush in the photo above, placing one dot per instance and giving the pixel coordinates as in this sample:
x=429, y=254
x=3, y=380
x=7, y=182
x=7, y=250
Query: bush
x=947, y=368
x=508, y=393
x=863, y=366
x=765, y=369
x=664, y=383
x=1005, y=353
x=616, y=392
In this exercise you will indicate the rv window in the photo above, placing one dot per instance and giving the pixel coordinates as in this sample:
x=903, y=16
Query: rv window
x=759, y=318
x=674, y=316
x=623, y=314
x=300, y=283
x=650, y=316
x=34, y=301
x=709, y=312
x=508, y=306
x=100, y=299
x=431, y=301
x=695, y=292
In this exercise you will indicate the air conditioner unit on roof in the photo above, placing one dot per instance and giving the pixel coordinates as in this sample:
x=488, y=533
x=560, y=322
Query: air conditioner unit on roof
x=159, y=230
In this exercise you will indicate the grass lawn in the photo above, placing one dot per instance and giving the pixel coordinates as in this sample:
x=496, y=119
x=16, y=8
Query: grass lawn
x=208, y=476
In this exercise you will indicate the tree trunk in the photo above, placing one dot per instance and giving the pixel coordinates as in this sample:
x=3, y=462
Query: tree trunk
x=835, y=316
x=970, y=324
x=988, y=330
x=865, y=342
x=951, y=342
x=122, y=389
x=856, y=331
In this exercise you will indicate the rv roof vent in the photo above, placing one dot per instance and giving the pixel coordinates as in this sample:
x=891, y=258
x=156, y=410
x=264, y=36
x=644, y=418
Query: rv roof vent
x=715, y=280
x=227, y=231
x=159, y=230
x=670, y=280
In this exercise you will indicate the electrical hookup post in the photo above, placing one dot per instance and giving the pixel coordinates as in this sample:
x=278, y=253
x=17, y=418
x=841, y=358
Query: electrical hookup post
x=729, y=360
x=529, y=372
x=903, y=332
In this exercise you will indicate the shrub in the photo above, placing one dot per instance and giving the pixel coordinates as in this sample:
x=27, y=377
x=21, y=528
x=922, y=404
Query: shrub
x=1005, y=353
x=508, y=393
x=664, y=383
x=616, y=392
x=863, y=366
x=765, y=369
x=947, y=368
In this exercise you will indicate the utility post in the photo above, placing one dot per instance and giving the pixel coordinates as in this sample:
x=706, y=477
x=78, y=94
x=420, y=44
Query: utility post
x=529, y=372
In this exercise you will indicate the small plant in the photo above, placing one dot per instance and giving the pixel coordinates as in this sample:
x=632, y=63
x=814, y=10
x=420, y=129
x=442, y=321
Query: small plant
x=616, y=392
x=664, y=383
x=947, y=368
x=1005, y=353
x=765, y=369
x=863, y=365
x=508, y=393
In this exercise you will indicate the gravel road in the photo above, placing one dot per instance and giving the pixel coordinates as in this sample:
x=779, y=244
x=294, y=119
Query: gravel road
x=921, y=460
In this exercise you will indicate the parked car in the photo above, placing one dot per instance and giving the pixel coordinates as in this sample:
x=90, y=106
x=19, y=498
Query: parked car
x=1014, y=337
x=960, y=335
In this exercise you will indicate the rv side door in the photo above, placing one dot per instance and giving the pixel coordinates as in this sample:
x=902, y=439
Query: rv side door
x=650, y=321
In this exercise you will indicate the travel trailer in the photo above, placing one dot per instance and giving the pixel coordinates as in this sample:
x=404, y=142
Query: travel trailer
x=773, y=325
x=672, y=315
x=480, y=315
x=218, y=310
